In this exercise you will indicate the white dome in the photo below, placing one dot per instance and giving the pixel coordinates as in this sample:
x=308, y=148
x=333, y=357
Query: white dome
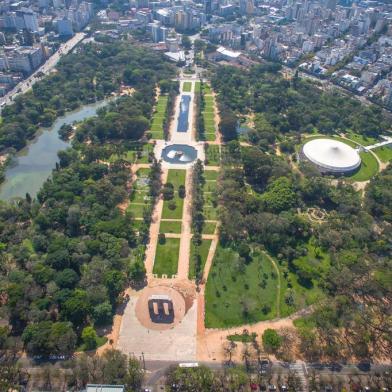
x=332, y=155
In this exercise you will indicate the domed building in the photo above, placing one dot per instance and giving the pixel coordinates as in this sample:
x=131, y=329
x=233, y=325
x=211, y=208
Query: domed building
x=331, y=156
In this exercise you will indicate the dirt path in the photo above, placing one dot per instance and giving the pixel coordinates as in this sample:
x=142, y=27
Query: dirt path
x=154, y=230
x=217, y=119
x=279, y=282
x=186, y=235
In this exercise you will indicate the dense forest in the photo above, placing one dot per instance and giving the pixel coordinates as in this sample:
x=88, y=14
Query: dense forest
x=264, y=203
x=68, y=254
x=288, y=106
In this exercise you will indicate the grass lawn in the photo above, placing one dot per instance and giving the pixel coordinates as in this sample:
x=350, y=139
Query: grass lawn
x=137, y=209
x=209, y=137
x=208, y=116
x=139, y=196
x=209, y=227
x=341, y=139
x=369, y=167
x=238, y=293
x=177, y=178
x=143, y=172
x=209, y=213
x=167, y=213
x=384, y=153
x=206, y=88
x=158, y=117
x=187, y=87
x=166, y=257
x=203, y=251
x=361, y=139
x=170, y=227
x=197, y=87
x=211, y=174
x=212, y=154
x=138, y=153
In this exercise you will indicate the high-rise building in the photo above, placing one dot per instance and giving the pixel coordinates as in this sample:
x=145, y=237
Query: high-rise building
x=64, y=27
x=29, y=18
x=331, y=4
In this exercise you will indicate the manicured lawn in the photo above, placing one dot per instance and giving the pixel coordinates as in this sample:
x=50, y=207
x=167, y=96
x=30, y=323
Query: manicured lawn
x=203, y=251
x=187, y=87
x=170, y=227
x=209, y=227
x=209, y=137
x=206, y=88
x=166, y=257
x=176, y=213
x=368, y=169
x=209, y=118
x=212, y=154
x=238, y=293
x=177, y=178
x=211, y=174
x=197, y=87
x=384, y=153
x=158, y=118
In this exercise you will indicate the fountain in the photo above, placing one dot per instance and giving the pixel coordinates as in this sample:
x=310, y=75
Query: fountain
x=179, y=153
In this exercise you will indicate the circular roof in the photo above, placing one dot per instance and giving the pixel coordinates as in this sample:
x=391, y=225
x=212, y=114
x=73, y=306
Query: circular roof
x=332, y=155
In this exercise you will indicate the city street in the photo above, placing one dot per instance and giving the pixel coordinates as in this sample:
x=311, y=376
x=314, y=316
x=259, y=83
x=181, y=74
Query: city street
x=45, y=68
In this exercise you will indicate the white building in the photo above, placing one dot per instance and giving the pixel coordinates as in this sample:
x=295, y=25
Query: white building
x=331, y=156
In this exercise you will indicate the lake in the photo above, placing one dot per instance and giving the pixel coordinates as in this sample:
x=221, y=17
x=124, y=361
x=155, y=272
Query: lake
x=33, y=165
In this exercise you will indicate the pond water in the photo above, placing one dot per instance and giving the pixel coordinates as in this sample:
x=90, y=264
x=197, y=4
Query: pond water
x=184, y=113
x=34, y=164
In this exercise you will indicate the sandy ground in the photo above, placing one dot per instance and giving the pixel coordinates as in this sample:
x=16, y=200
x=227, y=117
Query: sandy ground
x=212, y=341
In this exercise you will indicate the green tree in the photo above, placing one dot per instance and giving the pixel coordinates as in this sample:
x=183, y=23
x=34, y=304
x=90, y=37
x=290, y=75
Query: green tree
x=89, y=338
x=271, y=340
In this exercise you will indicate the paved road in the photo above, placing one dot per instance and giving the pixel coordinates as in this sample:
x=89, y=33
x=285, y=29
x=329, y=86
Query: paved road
x=26, y=84
x=157, y=369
